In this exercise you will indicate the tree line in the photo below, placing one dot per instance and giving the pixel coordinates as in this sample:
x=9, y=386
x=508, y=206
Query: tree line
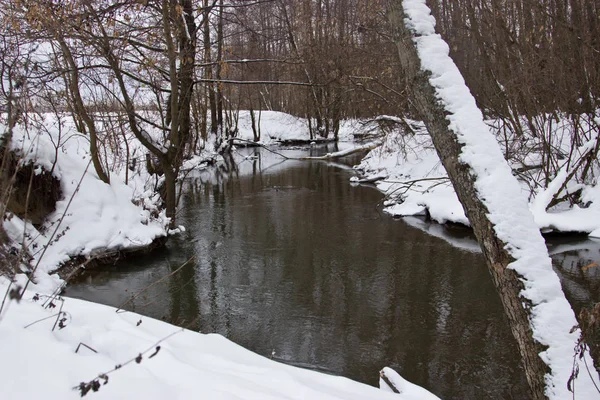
x=176, y=72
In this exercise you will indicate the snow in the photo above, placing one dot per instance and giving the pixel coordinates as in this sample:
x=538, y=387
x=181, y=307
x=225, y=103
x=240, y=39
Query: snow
x=92, y=216
x=410, y=159
x=188, y=365
x=278, y=126
x=406, y=389
x=551, y=315
x=413, y=171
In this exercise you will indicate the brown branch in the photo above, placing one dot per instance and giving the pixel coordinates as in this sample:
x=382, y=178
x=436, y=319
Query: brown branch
x=388, y=382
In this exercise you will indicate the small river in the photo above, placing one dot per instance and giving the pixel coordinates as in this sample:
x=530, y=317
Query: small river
x=293, y=262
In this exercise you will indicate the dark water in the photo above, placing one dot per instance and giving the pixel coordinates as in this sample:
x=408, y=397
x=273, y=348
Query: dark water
x=294, y=263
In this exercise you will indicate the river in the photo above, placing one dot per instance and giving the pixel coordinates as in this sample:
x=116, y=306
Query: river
x=293, y=262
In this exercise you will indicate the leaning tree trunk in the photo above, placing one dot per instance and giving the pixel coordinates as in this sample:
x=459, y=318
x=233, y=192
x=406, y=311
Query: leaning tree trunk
x=508, y=284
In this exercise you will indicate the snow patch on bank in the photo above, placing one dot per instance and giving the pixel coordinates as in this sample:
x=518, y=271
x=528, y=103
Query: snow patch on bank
x=92, y=216
x=412, y=172
x=552, y=316
x=277, y=126
x=408, y=170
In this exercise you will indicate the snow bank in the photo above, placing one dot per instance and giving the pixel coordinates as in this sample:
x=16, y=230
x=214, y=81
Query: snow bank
x=39, y=363
x=414, y=175
x=551, y=315
x=92, y=216
x=278, y=126
x=416, y=182
x=407, y=390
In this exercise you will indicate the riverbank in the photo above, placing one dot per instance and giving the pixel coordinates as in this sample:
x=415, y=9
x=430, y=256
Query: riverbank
x=407, y=169
x=60, y=348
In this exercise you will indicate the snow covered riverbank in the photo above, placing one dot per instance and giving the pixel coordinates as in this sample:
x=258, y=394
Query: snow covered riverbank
x=91, y=217
x=407, y=169
x=41, y=362
x=102, y=216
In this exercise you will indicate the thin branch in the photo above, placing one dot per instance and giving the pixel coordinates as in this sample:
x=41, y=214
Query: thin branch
x=56, y=229
x=234, y=82
x=152, y=284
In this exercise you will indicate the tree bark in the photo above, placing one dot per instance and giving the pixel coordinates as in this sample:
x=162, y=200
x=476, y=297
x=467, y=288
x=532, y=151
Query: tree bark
x=506, y=281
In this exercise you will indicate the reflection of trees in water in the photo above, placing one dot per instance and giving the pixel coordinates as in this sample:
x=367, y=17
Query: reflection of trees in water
x=300, y=263
x=293, y=259
x=578, y=266
x=576, y=259
x=183, y=296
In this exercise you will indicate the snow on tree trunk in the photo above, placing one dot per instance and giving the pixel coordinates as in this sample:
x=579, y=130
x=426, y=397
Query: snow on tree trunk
x=539, y=315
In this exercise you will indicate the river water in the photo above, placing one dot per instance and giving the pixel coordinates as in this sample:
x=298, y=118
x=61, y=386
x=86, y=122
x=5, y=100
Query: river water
x=293, y=262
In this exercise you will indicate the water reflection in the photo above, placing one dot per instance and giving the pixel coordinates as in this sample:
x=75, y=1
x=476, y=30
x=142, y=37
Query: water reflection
x=296, y=264
x=576, y=258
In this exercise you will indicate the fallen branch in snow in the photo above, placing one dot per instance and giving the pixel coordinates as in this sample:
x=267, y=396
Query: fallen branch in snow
x=261, y=145
x=405, y=186
x=328, y=156
x=343, y=153
x=548, y=197
x=84, y=345
x=388, y=382
x=372, y=179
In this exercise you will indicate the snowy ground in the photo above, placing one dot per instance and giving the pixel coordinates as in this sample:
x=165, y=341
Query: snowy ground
x=39, y=362
x=277, y=126
x=408, y=170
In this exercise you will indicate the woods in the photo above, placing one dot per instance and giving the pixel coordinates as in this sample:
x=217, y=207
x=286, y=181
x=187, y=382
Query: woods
x=176, y=72
x=149, y=85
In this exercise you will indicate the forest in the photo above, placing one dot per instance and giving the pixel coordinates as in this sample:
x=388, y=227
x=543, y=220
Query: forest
x=144, y=92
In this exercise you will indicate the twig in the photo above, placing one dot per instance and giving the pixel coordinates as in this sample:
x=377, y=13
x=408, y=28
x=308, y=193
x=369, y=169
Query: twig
x=4, y=298
x=85, y=345
x=85, y=387
x=62, y=303
x=40, y=320
x=152, y=284
x=76, y=270
x=56, y=229
x=590, y=374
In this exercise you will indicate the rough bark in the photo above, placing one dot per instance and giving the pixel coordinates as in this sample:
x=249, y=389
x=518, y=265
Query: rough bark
x=506, y=281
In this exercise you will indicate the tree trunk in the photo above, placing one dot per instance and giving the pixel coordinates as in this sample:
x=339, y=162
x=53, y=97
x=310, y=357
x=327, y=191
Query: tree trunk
x=218, y=76
x=80, y=110
x=208, y=74
x=433, y=113
x=170, y=196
